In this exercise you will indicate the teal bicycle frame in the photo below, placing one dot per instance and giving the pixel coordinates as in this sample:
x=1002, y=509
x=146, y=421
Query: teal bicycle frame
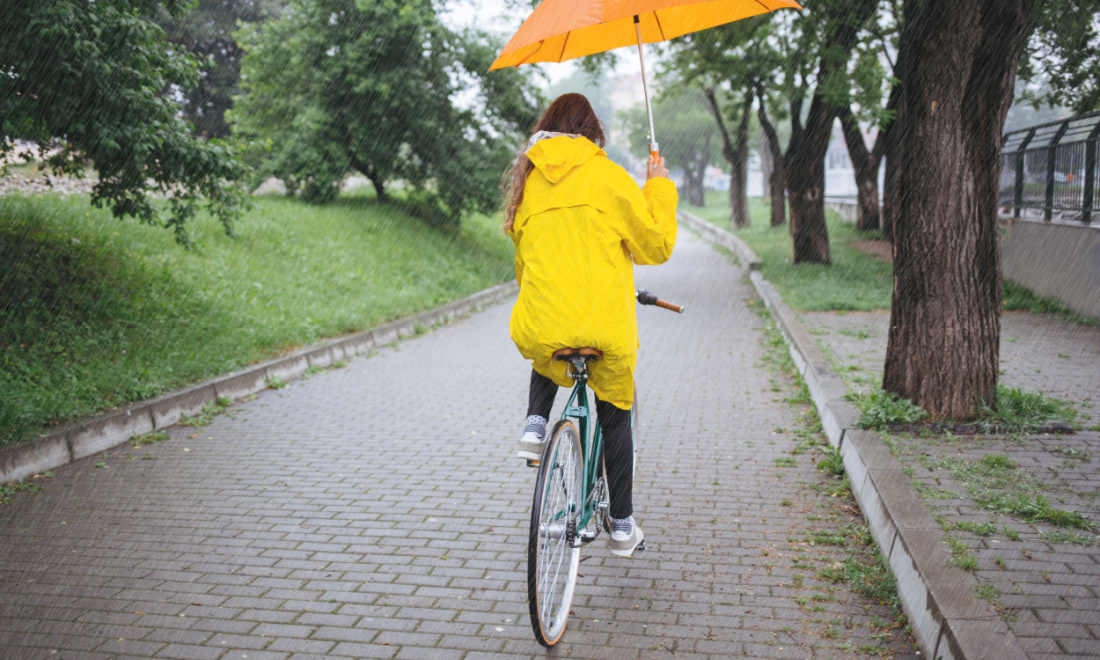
x=578, y=409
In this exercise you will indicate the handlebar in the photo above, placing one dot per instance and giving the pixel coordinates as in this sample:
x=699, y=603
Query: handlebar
x=647, y=298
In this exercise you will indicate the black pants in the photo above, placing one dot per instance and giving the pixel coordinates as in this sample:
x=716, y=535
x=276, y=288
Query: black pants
x=618, y=452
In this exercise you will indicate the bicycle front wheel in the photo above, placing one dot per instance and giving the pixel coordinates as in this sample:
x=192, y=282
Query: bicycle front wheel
x=552, y=560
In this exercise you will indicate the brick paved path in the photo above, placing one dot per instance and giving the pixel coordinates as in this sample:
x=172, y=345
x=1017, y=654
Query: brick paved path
x=376, y=511
x=1046, y=578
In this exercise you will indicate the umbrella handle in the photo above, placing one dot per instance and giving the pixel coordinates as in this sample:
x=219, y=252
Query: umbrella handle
x=653, y=151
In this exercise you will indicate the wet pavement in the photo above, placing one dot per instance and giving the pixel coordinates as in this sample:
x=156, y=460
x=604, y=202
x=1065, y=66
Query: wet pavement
x=376, y=511
x=1038, y=564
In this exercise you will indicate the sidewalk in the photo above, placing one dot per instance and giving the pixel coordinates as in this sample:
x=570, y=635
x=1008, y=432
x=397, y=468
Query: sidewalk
x=376, y=511
x=1044, y=579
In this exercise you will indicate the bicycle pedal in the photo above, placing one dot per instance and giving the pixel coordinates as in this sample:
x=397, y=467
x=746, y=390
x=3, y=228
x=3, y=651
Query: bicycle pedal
x=533, y=464
x=641, y=547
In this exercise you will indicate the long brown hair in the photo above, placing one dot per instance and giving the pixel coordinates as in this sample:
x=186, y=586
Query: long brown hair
x=569, y=113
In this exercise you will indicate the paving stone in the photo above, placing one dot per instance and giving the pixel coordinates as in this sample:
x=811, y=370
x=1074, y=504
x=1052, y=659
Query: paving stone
x=312, y=516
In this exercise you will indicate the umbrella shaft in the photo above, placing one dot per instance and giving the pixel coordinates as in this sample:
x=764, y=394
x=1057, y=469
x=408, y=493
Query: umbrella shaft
x=645, y=88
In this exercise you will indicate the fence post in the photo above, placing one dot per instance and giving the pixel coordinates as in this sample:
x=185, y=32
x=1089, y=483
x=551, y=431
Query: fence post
x=1091, y=145
x=1048, y=205
x=1019, y=194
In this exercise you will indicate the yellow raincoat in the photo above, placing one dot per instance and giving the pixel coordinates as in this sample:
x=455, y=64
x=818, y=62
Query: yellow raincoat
x=581, y=223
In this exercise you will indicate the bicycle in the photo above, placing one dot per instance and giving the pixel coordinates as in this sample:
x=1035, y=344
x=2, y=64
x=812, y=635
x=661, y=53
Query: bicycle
x=571, y=496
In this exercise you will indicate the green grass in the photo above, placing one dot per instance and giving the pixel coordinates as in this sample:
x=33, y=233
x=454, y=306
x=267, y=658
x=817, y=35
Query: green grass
x=879, y=409
x=854, y=281
x=1034, y=508
x=1018, y=409
x=96, y=311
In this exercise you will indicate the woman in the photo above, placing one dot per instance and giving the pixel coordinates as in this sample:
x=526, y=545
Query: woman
x=579, y=221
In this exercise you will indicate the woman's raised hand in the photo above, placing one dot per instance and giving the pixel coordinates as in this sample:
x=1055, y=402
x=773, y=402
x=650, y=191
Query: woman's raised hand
x=655, y=167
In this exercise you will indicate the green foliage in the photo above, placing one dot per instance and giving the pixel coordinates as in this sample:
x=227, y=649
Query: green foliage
x=1069, y=538
x=688, y=136
x=868, y=574
x=7, y=490
x=1034, y=508
x=205, y=31
x=960, y=553
x=879, y=409
x=207, y=414
x=334, y=85
x=832, y=462
x=1017, y=297
x=1018, y=409
x=1064, y=53
x=149, y=438
x=87, y=81
x=855, y=280
x=980, y=529
x=97, y=313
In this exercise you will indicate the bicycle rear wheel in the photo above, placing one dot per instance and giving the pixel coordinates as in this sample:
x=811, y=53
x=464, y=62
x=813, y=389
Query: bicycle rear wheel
x=552, y=560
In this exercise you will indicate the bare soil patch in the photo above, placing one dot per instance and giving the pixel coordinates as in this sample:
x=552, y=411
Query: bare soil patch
x=878, y=249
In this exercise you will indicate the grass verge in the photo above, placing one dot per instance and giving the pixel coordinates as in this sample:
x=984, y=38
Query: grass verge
x=856, y=281
x=96, y=312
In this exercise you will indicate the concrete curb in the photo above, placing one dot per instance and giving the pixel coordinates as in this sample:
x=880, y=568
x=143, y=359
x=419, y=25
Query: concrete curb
x=749, y=260
x=948, y=619
x=95, y=433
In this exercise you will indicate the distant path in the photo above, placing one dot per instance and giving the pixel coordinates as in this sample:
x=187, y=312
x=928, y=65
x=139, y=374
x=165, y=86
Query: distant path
x=376, y=511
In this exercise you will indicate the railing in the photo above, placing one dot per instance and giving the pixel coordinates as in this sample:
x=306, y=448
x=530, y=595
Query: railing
x=1052, y=167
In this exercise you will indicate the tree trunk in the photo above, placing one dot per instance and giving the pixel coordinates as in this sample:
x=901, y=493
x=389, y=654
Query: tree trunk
x=766, y=163
x=777, y=180
x=866, y=171
x=805, y=165
x=369, y=172
x=943, y=344
x=694, y=171
x=805, y=159
x=884, y=152
x=891, y=198
x=741, y=217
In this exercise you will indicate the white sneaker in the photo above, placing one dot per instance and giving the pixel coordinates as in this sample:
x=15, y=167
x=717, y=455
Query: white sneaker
x=626, y=537
x=530, y=446
x=533, y=439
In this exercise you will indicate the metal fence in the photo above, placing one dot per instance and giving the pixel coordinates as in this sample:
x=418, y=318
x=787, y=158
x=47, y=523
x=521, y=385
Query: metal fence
x=1052, y=167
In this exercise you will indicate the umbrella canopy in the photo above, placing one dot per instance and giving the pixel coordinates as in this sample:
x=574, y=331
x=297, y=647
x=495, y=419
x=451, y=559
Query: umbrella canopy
x=560, y=30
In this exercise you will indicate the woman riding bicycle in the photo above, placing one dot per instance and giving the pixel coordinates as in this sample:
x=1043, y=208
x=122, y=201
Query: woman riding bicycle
x=579, y=221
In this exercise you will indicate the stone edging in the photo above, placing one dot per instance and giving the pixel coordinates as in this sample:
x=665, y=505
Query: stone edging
x=749, y=261
x=946, y=615
x=96, y=433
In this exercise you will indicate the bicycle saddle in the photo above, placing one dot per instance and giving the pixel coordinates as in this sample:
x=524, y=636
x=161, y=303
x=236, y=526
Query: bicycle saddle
x=588, y=353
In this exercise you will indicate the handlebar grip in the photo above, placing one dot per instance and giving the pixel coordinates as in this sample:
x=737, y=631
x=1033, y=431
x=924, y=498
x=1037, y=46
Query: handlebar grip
x=647, y=298
x=679, y=309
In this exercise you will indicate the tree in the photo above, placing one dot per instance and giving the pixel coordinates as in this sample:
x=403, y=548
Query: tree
x=796, y=56
x=736, y=152
x=206, y=32
x=88, y=82
x=721, y=63
x=375, y=87
x=686, y=132
x=957, y=65
x=1065, y=46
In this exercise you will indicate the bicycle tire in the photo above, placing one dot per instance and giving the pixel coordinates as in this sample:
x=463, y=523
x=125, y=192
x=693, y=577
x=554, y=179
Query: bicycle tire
x=552, y=561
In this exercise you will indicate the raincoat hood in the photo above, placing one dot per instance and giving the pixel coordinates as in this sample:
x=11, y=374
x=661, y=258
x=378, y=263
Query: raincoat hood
x=558, y=154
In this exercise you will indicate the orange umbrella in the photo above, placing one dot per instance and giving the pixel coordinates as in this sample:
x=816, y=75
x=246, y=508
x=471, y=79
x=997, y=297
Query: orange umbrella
x=560, y=30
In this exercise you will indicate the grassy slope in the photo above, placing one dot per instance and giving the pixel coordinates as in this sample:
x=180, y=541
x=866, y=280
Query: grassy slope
x=854, y=281
x=96, y=312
